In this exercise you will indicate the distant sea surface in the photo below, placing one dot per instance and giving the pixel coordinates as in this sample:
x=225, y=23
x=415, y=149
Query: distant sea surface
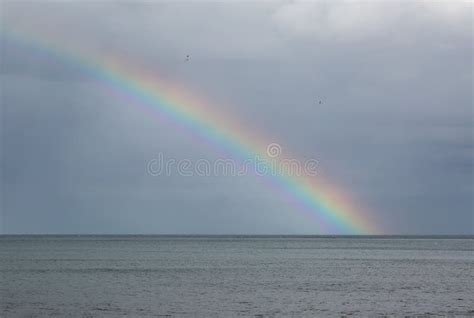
x=149, y=276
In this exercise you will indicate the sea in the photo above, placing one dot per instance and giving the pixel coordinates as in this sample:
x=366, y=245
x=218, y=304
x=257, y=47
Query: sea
x=231, y=276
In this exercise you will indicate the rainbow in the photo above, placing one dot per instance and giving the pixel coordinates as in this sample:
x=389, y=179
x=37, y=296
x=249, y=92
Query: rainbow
x=200, y=119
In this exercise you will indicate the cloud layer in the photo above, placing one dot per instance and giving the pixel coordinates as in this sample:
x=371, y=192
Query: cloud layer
x=395, y=130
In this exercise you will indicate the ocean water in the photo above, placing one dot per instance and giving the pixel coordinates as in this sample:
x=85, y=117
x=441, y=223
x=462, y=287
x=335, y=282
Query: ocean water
x=149, y=276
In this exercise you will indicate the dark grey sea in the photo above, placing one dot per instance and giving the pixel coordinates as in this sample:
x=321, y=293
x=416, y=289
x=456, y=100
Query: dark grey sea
x=226, y=276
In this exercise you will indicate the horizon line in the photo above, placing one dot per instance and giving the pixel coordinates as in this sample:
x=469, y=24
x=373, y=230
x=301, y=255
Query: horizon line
x=242, y=235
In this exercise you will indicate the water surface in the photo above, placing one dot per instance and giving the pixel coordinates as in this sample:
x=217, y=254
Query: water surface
x=233, y=275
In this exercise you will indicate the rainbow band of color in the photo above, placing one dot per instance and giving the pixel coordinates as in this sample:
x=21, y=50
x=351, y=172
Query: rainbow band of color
x=175, y=105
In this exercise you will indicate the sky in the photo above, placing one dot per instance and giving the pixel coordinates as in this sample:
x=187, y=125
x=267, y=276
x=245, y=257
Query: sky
x=394, y=130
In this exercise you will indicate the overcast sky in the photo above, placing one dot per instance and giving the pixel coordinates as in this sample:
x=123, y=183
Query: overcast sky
x=395, y=130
